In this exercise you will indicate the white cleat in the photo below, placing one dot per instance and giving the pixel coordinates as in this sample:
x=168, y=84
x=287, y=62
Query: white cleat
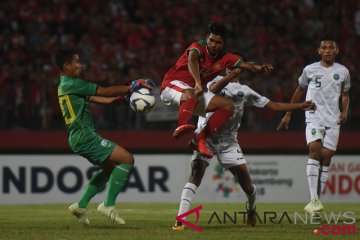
x=111, y=213
x=79, y=213
x=314, y=206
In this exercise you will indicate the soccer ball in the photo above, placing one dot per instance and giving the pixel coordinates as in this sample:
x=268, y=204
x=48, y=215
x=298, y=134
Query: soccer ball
x=142, y=100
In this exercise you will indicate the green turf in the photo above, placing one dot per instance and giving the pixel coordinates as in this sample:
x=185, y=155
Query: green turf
x=154, y=221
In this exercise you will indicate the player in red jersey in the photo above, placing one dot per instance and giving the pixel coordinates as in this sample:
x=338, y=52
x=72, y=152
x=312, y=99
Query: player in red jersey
x=182, y=86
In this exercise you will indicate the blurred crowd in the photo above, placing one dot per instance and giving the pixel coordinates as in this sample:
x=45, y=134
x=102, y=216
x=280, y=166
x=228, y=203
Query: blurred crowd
x=122, y=40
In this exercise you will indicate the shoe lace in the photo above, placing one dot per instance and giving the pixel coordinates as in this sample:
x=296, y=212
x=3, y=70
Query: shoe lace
x=113, y=215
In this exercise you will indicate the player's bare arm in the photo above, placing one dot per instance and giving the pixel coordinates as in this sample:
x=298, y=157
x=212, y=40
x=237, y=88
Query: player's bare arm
x=345, y=107
x=298, y=94
x=113, y=91
x=256, y=68
x=219, y=85
x=193, y=66
x=122, y=90
x=279, y=106
x=106, y=100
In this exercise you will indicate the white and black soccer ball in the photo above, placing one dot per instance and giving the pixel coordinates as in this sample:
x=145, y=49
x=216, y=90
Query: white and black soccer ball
x=142, y=100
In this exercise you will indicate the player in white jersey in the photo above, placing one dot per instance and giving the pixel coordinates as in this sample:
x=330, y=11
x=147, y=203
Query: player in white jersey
x=224, y=143
x=326, y=81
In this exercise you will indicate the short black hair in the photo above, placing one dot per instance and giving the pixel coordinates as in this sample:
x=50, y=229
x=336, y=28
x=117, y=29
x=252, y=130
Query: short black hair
x=218, y=29
x=327, y=38
x=62, y=56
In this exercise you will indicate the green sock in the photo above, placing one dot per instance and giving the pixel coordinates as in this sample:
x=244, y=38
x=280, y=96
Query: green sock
x=95, y=185
x=118, y=179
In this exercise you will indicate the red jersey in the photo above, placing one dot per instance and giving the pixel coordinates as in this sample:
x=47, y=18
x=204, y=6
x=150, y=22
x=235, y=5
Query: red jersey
x=209, y=67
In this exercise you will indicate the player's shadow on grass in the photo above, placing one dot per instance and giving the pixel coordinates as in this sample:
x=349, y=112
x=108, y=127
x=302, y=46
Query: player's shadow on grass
x=115, y=227
x=225, y=226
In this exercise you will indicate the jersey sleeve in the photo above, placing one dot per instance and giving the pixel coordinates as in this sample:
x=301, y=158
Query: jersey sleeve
x=253, y=99
x=80, y=87
x=303, y=79
x=347, y=83
x=197, y=47
x=216, y=79
x=234, y=61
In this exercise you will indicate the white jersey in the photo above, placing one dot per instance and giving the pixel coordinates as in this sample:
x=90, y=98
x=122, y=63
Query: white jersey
x=324, y=87
x=242, y=96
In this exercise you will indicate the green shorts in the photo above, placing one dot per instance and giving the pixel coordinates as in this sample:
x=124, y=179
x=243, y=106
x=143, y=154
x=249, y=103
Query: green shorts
x=94, y=148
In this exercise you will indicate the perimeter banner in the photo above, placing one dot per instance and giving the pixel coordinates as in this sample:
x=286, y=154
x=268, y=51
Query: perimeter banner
x=26, y=179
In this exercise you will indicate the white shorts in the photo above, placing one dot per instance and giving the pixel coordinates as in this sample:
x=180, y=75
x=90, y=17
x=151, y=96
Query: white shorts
x=172, y=93
x=329, y=136
x=227, y=151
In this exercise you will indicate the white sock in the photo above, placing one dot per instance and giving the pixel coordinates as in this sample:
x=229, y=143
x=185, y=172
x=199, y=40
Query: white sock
x=324, y=175
x=251, y=199
x=312, y=172
x=187, y=197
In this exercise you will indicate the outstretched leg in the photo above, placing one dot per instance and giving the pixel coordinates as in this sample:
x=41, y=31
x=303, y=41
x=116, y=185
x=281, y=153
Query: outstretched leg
x=198, y=168
x=95, y=185
x=119, y=166
x=188, y=103
x=241, y=173
x=223, y=109
x=326, y=155
x=312, y=173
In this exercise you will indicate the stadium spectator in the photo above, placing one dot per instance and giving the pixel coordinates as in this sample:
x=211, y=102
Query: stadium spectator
x=282, y=32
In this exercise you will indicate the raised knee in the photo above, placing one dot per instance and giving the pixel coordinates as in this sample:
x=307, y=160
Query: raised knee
x=229, y=105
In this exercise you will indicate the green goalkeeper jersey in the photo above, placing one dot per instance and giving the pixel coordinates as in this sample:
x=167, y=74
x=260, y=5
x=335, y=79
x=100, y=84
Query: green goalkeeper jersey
x=73, y=94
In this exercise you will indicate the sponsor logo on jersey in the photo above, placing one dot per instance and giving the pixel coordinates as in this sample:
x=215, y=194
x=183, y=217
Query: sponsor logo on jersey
x=313, y=131
x=336, y=76
x=217, y=66
x=105, y=143
x=240, y=94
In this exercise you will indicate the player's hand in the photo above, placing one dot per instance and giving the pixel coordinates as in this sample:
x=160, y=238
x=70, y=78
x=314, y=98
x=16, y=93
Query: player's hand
x=123, y=99
x=235, y=72
x=261, y=68
x=342, y=118
x=198, y=89
x=308, y=106
x=284, y=124
x=267, y=67
x=150, y=82
x=139, y=84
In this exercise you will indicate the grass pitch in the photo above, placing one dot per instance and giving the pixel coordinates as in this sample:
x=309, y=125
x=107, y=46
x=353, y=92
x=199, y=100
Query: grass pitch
x=154, y=221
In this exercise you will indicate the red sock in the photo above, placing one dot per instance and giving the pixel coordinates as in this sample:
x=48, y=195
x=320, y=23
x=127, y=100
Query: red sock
x=186, y=111
x=217, y=120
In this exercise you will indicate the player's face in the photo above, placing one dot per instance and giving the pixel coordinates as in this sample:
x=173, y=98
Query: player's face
x=74, y=68
x=328, y=51
x=214, y=43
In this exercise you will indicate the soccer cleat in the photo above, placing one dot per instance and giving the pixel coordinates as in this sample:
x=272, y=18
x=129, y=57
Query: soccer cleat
x=203, y=149
x=79, y=213
x=314, y=206
x=251, y=216
x=200, y=146
x=183, y=130
x=111, y=213
x=178, y=226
